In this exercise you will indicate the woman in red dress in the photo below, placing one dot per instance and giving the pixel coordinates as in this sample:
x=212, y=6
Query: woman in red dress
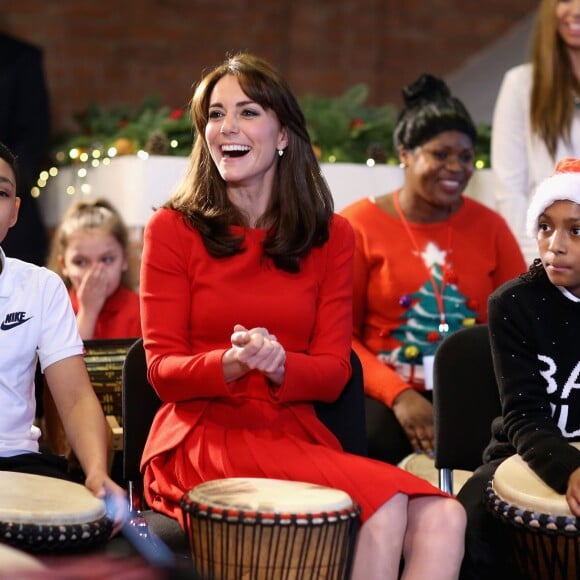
x=246, y=295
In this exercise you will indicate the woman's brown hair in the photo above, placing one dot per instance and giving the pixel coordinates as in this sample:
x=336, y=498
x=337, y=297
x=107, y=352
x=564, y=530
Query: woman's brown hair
x=554, y=83
x=301, y=205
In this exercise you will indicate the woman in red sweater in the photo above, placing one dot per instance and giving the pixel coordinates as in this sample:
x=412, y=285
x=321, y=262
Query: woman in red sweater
x=426, y=260
x=246, y=294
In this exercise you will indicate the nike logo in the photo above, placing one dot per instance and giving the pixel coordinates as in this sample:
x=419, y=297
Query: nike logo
x=13, y=320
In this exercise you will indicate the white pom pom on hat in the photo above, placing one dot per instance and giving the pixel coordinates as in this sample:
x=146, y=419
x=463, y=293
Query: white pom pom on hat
x=562, y=185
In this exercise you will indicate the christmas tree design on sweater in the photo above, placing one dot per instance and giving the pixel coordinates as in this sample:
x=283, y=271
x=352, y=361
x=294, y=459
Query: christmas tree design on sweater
x=420, y=333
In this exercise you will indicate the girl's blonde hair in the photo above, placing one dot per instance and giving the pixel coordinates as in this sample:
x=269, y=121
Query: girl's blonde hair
x=83, y=216
x=554, y=83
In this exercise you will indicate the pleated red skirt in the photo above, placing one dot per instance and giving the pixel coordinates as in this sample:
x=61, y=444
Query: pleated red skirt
x=254, y=438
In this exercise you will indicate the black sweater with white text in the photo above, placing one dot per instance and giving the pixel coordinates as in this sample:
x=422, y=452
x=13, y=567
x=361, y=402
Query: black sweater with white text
x=535, y=342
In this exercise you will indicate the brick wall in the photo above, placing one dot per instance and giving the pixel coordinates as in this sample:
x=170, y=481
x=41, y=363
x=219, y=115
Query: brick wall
x=120, y=51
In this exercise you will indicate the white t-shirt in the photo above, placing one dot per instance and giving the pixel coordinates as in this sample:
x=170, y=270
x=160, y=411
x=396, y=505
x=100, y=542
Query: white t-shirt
x=36, y=321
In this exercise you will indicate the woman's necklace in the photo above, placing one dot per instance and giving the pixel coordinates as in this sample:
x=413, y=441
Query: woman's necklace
x=438, y=293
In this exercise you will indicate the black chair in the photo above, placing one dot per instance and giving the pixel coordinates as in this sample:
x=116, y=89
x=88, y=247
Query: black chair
x=465, y=401
x=345, y=418
x=140, y=403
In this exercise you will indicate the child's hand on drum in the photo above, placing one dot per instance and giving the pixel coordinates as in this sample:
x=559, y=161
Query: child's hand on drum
x=573, y=492
x=116, y=500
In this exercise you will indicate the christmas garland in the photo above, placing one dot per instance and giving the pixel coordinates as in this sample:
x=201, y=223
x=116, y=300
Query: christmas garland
x=343, y=129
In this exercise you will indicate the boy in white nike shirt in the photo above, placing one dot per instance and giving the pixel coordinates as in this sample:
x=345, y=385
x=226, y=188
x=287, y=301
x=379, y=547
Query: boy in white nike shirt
x=37, y=322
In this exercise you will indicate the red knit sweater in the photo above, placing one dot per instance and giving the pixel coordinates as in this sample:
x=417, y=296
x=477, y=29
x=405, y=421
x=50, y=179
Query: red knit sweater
x=392, y=291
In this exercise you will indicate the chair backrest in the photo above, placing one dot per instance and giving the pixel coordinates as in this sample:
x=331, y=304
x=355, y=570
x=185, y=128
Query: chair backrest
x=465, y=398
x=345, y=417
x=140, y=403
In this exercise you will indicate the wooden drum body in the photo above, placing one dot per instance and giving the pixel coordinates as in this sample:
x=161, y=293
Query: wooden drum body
x=44, y=514
x=266, y=528
x=546, y=535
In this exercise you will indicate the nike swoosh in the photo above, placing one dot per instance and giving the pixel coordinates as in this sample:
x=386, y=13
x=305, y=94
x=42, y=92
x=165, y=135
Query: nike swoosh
x=9, y=325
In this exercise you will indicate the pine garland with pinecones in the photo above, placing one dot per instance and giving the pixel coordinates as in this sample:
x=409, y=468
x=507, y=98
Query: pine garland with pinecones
x=342, y=129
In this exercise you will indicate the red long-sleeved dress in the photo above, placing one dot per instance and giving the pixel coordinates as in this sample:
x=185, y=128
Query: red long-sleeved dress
x=208, y=429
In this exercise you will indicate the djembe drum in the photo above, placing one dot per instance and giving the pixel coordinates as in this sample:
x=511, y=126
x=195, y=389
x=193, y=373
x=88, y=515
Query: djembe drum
x=545, y=534
x=423, y=466
x=267, y=528
x=45, y=514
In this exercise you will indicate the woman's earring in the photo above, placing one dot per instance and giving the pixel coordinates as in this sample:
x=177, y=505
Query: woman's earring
x=280, y=152
x=402, y=165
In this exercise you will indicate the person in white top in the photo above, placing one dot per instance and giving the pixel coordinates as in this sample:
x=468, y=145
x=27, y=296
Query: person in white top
x=37, y=323
x=536, y=120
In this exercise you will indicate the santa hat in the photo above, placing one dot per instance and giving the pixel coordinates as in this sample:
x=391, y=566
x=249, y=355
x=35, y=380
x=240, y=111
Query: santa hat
x=563, y=185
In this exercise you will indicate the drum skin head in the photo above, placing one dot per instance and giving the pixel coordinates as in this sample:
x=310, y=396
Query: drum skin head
x=423, y=466
x=515, y=483
x=269, y=495
x=14, y=560
x=40, y=500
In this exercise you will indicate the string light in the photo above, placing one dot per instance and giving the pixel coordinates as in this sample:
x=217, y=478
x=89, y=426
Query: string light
x=92, y=159
x=97, y=157
x=87, y=160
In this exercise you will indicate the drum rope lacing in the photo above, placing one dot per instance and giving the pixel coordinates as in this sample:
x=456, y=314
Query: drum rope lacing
x=251, y=517
x=46, y=538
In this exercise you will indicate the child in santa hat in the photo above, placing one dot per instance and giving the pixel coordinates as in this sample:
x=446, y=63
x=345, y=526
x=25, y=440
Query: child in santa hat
x=533, y=323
